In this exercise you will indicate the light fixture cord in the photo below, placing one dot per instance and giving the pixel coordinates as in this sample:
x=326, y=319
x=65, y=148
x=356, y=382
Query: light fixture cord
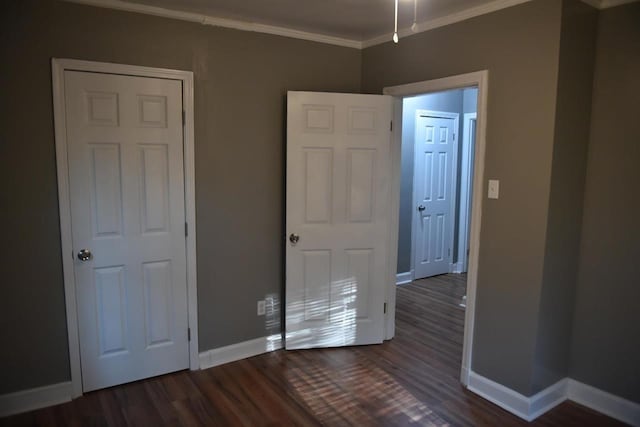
x=395, y=28
x=415, y=11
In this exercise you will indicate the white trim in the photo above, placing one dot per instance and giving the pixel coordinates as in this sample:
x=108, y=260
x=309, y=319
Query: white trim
x=239, y=351
x=221, y=22
x=58, y=67
x=35, y=398
x=452, y=18
x=527, y=408
x=594, y=3
x=605, y=4
x=317, y=37
x=456, y=268
x=547, y=399
x=472, y=12
x=480, y=79
x=454, y=174
x=604, y=402
x=530, y=408
x=500, y=395
x=394, y=220
x=404, y=278
x=465, y=185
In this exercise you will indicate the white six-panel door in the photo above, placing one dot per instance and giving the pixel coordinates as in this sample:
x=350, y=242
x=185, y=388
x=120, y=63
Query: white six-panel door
x=338, y=196
x=125, y=146
x=433, y=190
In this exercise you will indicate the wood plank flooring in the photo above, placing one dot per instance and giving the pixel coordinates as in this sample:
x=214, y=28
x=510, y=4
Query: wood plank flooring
x=410, y=380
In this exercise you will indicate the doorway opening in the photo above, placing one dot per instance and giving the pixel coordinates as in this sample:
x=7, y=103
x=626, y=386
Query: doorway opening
x=438, y=139
x=440, y=166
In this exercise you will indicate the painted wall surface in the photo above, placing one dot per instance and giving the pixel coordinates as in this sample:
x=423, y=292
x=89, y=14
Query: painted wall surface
x=606, y=330
x=470, y=100
x=241, y=80
x=520, y=48
x=450, y=102
x=573, y=111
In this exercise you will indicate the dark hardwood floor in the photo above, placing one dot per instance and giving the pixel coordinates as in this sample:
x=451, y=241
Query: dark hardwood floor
x=410, y=380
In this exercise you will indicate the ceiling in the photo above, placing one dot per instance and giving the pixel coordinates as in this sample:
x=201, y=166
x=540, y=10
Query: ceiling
x=351, y=19
x=351, y=23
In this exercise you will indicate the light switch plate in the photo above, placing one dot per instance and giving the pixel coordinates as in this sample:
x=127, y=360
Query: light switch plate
x=262, y=308
x=494, y=188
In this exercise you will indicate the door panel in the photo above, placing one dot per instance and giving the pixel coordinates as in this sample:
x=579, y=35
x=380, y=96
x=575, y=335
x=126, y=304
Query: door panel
x=433, y=194
x=338, y=173
x=127, y=207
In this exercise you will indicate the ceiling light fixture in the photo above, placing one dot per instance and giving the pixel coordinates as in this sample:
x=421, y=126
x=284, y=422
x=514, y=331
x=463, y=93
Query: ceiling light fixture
x=395, y=28
x=414, y=27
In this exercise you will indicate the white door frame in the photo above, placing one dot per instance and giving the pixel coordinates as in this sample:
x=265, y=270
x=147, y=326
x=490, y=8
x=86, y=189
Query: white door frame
x=465, y=187
x=414, y=197
x=58, y=67
x=481, y=80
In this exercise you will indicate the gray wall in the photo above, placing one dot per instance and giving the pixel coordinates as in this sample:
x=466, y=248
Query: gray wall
x=520, y=48
x=573, y=110
x=470, y=100
x=606, y=331
x=451, y=102
x=240, y=75
x=241, y=79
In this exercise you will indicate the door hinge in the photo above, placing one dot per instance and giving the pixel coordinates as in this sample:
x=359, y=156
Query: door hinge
x=385, y=308
x=188, y=334
x=184, y=117
x=454, y=136
x=391, y=126
x=186, y=229
x=449, y=253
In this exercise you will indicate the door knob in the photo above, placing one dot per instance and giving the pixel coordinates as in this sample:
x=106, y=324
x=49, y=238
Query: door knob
x=84, y=255
x=421, y=208
x=293, y=238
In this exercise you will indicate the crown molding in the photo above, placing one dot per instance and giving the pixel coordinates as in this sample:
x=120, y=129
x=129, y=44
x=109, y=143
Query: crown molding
x=322, y=38
x=220, y=22
x=594, y=3
x=472, y=13
x=605, y=4
x=446, y=20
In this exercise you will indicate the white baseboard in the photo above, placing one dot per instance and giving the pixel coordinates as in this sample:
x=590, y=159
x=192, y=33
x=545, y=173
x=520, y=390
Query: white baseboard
x=530, y=408
x=527, y=408
x=35, y=398
x=547, y=399
x=404, y=278
x=502, y=396
x=457, y=268
x=606, y=403
x=242, y=350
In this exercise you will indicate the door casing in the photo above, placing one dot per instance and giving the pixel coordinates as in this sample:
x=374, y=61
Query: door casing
x=479, y=79
x=58, y=68
x=466, y=182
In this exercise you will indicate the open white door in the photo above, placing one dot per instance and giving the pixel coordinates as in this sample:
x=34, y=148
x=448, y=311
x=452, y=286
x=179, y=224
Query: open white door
x=338, y=196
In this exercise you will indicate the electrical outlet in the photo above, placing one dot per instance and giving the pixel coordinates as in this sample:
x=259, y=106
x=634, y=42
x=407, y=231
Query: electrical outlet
x=494, y=189
x=269, y=305
x=261, y=308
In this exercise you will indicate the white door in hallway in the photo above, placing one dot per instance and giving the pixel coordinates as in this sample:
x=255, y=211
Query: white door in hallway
x=125, y=145
x=433, y=194
x=338, y=218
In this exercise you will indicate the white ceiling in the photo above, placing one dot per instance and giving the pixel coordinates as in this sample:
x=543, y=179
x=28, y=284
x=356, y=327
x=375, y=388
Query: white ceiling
x=352, y=23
